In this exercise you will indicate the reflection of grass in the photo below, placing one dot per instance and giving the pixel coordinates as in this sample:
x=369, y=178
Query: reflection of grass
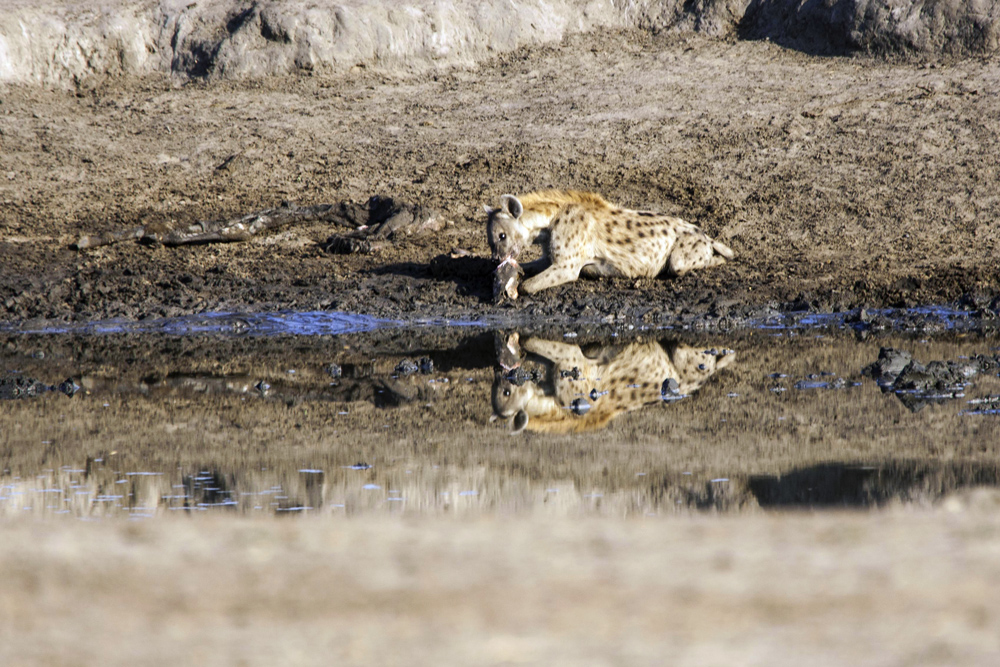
x=408, y=488
x=254, y=443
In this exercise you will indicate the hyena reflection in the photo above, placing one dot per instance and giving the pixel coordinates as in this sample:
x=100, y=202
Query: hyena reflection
x=608, y=381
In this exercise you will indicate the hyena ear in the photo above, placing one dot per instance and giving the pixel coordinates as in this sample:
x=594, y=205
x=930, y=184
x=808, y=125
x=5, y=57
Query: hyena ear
x=512, y=205
x=520, y=422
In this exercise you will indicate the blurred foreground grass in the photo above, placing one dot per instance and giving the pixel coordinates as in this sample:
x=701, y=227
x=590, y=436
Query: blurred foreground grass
x=885, y=588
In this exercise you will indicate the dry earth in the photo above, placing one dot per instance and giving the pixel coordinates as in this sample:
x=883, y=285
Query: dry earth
x=838, y=181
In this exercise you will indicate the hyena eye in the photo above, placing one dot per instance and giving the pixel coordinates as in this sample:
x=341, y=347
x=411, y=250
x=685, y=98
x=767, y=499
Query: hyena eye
x=503, y=237
x=506, y=392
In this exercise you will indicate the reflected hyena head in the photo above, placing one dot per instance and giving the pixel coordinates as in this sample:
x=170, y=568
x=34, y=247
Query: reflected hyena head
x=509, y=401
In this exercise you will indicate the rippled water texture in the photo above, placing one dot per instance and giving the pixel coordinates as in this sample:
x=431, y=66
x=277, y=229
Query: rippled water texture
x=319, y=413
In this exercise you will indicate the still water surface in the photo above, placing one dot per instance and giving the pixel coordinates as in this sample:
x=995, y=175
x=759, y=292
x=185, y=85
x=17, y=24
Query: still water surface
x=332, y=414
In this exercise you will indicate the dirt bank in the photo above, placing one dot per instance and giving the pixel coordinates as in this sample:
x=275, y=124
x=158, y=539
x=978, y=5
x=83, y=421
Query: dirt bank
x=74, y=45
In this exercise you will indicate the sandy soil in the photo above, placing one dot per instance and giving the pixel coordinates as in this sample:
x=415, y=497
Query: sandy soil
x=838, y=181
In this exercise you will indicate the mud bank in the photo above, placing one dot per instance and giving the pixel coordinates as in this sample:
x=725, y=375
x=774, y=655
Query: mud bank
x=68, y=45
x=839, y=183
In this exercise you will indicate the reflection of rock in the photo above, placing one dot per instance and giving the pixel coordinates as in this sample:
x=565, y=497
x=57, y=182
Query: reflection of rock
x=20, y=386
x=408, y=367
x=853, y=485
x=916, y=385
x=583, y=391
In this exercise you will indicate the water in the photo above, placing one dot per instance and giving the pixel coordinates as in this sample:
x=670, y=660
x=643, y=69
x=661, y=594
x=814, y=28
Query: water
x=200, y=416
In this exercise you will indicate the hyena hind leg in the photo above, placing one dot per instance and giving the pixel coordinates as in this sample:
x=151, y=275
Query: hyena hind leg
x=697, y=252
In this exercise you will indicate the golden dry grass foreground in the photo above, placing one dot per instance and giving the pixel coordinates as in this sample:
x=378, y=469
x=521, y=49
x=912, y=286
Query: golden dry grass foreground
x=896, y=588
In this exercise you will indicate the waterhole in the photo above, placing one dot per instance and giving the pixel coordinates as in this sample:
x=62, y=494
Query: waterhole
x=332, y=414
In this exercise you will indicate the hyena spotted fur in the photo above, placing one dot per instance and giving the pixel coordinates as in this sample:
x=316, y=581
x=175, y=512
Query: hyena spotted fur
x=584, y=234
x=613, y=381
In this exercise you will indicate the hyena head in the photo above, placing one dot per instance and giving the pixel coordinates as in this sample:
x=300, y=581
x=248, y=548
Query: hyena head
x=506, y=234
x=509, y=401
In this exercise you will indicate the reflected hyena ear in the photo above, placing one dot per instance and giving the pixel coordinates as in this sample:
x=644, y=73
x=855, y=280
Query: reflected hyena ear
x=520, y=422
x=512, y=205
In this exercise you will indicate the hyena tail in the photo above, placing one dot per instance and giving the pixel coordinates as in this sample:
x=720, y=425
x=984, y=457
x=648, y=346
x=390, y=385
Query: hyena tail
x=721, y=248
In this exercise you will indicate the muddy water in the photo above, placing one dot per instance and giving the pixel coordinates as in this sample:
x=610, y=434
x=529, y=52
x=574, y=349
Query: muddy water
x=296, y=414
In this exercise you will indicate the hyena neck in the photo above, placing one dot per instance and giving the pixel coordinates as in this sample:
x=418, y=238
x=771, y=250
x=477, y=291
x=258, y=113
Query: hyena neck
x=533, y=223
x=542, y=207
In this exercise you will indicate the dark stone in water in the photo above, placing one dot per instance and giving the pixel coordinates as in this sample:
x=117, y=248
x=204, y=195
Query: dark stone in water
x=20, y=386
x=426, y=365
x=889, y=365
x=670, y=388
x=917, y=385
x=519, y=376
x=406, y=367
x=68, y=387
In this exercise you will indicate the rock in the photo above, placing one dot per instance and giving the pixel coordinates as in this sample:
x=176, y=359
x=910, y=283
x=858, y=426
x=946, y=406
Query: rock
x=670, y=389
x=21, y=386
x=917, y=385
x=426, y=365
x=889, y=365
x=71, y=46
x=945, y=27
x=518, y=376
x=406, y=367
x=68, y=387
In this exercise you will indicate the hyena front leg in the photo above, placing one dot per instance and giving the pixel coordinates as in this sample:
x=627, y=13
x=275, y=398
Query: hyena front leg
x=568, y=253
x=563, y=355
x=555, y=275
x=536, y=266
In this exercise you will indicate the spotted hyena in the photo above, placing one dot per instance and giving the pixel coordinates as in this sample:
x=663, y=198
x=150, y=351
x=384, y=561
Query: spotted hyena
x=582, y=392
x=584, y=234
